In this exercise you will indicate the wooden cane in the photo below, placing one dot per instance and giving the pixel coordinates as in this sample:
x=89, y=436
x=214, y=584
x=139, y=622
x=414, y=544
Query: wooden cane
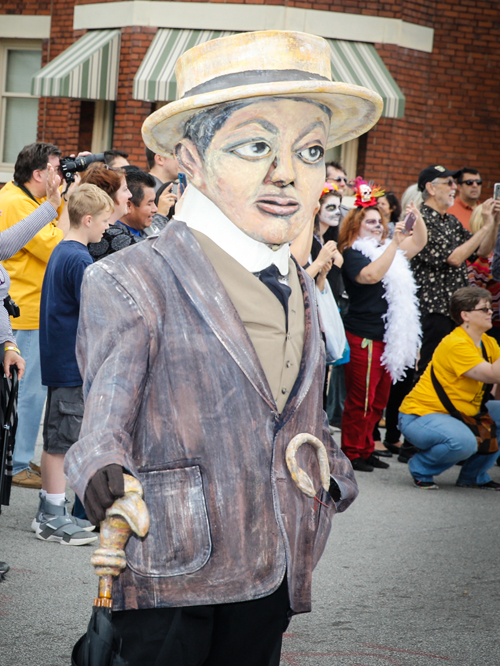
x=126, y=515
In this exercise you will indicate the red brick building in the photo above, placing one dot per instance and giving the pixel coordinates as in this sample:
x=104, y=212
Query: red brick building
x=436, y=65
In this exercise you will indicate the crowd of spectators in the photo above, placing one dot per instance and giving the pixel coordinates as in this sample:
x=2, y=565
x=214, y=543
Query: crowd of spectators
x=392, y=284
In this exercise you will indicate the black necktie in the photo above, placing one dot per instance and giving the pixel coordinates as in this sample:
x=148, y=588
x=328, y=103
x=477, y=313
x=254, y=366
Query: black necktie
x=269, y=277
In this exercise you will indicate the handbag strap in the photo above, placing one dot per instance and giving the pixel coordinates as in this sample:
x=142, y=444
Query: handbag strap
x=447, y=403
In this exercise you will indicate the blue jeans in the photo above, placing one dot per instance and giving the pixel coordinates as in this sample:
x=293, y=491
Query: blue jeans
x=443, y=441
x=31, y=400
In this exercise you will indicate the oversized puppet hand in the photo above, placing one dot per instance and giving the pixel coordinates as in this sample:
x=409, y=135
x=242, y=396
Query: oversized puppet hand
x=104, y=488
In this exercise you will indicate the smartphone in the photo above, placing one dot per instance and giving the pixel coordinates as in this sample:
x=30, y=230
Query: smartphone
x=496, y=191
x=409, y=221
x=182, y=183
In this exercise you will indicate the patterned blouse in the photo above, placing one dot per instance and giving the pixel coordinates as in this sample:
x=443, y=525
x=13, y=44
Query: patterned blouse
x=437, y=280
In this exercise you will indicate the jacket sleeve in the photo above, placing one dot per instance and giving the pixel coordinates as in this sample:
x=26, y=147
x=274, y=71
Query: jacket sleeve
x=113, y=351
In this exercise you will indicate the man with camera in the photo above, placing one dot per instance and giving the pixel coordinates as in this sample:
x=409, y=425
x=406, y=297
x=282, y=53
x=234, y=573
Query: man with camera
x=18, y=199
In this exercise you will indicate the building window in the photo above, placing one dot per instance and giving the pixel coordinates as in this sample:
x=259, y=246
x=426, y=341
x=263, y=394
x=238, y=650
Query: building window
x=19, y=60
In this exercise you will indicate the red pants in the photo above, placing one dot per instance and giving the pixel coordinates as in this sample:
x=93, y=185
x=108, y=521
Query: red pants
x=357, y=427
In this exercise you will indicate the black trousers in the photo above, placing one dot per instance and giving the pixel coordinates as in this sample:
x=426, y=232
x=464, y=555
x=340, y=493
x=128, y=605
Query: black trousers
x=248, y=633
x=434, y=328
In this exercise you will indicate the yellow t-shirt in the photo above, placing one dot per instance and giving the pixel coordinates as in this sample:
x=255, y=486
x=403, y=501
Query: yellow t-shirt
x=455, y=354
x=27, y=267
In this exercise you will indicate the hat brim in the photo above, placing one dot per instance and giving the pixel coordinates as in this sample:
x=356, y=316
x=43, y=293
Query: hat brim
x=354, y=109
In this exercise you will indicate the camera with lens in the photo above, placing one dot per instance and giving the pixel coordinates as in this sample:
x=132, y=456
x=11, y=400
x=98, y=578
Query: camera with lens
x=11, y=307
x=70, y=165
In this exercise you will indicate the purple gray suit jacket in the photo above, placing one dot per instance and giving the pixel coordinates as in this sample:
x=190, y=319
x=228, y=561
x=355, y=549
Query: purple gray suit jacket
x=175, y=393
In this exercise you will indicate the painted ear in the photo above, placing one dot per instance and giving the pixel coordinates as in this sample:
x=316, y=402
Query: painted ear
x=190, y=162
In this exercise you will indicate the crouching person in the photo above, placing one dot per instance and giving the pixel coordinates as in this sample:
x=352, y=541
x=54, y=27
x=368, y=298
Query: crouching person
x=89, y=212
x=456, y=386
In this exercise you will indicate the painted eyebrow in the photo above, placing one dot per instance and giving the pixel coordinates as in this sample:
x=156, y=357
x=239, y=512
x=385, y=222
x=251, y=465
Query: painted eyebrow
x=263, y=123
x=310, y=128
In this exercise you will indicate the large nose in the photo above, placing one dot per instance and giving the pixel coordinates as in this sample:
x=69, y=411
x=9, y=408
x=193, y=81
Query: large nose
x=282, y=170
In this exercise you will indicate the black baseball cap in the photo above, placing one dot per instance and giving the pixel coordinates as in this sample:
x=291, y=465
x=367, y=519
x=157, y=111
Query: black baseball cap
x=432, y=172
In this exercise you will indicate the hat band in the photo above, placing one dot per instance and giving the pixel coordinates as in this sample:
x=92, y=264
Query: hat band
x=252, y=77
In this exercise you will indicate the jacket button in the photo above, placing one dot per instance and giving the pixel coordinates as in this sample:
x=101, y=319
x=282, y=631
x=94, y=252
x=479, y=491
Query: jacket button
x=284, y=390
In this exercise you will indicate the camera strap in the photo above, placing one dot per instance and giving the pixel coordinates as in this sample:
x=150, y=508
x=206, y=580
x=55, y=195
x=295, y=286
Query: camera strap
x=26, y=191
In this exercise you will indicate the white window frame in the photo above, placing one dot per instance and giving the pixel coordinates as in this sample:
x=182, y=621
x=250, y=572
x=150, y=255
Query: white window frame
x=6, y=169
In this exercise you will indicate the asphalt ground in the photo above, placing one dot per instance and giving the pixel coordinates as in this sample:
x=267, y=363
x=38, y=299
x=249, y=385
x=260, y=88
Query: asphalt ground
x=410, y=577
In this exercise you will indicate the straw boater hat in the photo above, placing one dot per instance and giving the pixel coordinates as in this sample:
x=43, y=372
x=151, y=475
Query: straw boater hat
x=261, y=64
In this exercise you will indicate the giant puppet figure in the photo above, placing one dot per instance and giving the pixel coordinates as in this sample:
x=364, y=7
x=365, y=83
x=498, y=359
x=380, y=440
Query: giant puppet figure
x=202, y=359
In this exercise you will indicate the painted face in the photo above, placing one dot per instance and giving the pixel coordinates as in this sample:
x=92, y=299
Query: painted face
x=371, y=225
x=120, y=199
x=99, y=225
x=265, y=168
x=329, y=213
x=141, y=216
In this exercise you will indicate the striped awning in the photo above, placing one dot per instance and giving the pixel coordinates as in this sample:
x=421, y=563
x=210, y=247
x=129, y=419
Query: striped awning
x=359, y=63
x=88, y=69
x=352, y=62
x=155, y=79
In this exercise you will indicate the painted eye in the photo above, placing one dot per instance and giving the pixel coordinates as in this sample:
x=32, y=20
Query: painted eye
x=312, y=154
x=253, y=150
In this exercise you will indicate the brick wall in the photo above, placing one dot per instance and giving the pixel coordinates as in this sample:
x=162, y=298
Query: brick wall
x=131, y=113
x=452, y=100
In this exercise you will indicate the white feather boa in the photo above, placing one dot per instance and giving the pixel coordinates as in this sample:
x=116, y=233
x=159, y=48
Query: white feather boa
x=402, y=322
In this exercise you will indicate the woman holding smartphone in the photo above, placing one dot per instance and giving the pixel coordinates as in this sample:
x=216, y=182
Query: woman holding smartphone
x=382, y=325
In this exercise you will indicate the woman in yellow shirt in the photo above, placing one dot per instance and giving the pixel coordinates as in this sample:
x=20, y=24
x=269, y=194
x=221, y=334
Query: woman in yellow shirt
x=460, y=367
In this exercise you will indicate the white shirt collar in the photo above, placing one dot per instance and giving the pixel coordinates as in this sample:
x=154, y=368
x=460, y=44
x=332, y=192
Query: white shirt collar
x=201, y=214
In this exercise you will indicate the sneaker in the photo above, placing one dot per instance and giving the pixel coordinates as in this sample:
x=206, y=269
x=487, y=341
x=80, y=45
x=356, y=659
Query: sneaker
x=27, y=479
x=58, y=526
x=425, y=485
x=491, y=485
x=377, y=463
x=45, y=511
x=360, y=465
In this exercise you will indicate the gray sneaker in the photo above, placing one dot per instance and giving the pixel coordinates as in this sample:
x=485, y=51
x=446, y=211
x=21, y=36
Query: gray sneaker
x=45, y=510
x=56, y=525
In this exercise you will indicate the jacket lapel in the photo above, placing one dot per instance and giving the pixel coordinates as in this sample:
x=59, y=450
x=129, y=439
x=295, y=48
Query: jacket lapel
x=181, y=250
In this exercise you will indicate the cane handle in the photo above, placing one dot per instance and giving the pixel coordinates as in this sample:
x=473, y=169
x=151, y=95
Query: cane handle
x=301, y=478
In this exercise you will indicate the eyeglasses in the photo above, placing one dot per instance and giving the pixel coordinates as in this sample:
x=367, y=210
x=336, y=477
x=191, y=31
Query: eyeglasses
x=485, y=310
x=337, y=179
x=472, y=182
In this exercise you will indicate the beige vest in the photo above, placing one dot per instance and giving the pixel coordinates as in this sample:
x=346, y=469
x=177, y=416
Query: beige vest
x=262, y=314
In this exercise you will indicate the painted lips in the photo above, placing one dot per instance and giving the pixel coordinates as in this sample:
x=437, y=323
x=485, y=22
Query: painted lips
x=281, y=207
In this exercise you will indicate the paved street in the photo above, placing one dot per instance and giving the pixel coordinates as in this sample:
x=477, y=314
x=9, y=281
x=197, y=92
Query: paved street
x=409, y=578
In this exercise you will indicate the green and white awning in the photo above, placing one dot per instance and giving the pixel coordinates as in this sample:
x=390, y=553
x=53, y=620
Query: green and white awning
x=359, y=63
x=155, y=79
x=88, y=69
x=352, y=62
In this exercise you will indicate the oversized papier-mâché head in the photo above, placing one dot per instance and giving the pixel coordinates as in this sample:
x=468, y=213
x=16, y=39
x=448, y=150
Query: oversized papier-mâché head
x=254, y=116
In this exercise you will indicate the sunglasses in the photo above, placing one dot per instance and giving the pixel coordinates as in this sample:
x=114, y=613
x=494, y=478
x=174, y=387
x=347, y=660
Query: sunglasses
x=472, y=182
x=485, y=310
x=450, y=182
